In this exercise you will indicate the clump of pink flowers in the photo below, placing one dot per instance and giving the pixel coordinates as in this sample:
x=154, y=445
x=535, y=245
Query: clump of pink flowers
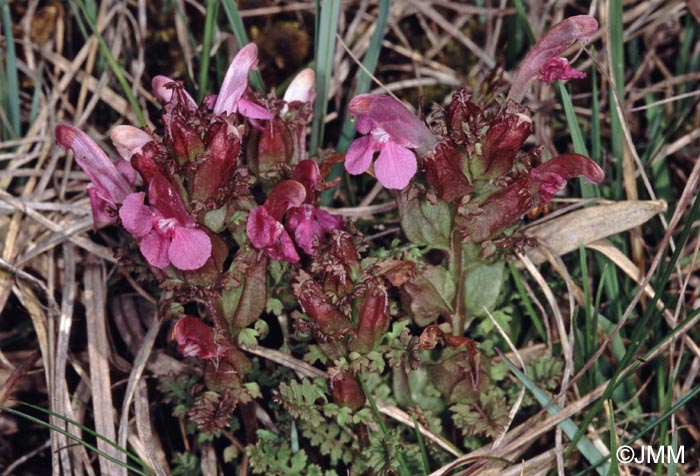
x=224, y=205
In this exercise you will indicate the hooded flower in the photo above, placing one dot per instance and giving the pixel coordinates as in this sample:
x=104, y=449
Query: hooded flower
x=307, y=222
x=230, y=99
x=167, y=234
x=392, y=130
x=543, y=61
x=507, y=206
x=264, y=227
x=195, y=339
x=111, y=183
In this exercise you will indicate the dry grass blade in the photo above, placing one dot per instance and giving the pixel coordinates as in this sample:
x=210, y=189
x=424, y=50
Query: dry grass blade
x=94, y=298
x=565, y=233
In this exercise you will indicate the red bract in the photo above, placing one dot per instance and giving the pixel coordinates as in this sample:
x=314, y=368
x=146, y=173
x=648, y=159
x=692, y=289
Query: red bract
x=195, y=339
x=110, y=183
x=326, y=316
x=165, y=231
x=551, y=45
x=373, y=319
x=267, y=234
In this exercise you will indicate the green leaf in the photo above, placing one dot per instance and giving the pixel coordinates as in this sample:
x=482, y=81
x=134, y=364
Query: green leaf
x=482, y=288
x=244, y=299
x=429, y=294
x=426, y=224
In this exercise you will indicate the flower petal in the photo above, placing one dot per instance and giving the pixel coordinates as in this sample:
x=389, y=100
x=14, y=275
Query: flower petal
x=137, y=218
x=359, y=155
x=236, y=80
x=154, y=247
x=189, y=249
x=94, y=162
x=302, y=87
x=395, y=166
x=253, y=110
x=129, y=140
x=268, y=234
x=100, y=208
x=559, y=68
x=388, y=114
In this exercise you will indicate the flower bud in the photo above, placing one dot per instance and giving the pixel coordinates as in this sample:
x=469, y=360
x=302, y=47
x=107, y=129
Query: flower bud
x=373, y=319
x=346, y=390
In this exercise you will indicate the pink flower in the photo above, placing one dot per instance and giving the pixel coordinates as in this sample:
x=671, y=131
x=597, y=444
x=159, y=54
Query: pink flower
x=165, y=231
x=195, y=339
x=230, y=99
x=309, y=223
x=550, y=177
x=264, y=228
x=539, y=59
x=110, y=183
x=301, y=89
x=391, y=129
x=267, y=234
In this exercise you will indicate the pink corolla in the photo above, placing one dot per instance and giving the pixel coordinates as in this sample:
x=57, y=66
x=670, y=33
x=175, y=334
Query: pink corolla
x=309, y=223
x=543, y=59
x=392, y=130
x=166, y=233
x=291, y=202
x=230, y=99
x=265, y=229
x=111, y=182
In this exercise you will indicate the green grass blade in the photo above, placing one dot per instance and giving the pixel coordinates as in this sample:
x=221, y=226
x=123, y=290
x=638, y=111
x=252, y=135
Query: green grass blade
x=423, y=450
x=149, y=471
x=208, y=39
x=87, y=430
x=534, y=317
x=403, y=468
x=113, y=65
x=238, y=28
x=326, y=30
x=584, y=445
x=614, y=468
x=11, y=77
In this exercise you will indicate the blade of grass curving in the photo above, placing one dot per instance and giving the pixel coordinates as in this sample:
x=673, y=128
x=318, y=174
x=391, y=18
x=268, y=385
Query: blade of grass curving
x=113, y=65
x=596, y=141
x=369, y=65
x=616, y=50
x=614, y=468
x=326, y=31
x=238, y=28
x=587, y=347
x=11, y=77
x=403, y=468
x=680, y=403
x=207, y=40
x=148, y=471
x=641, y=330
x=522, y=17
x=534, y=317
x=584, y=445
x=87, y=430
x=423, y=450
